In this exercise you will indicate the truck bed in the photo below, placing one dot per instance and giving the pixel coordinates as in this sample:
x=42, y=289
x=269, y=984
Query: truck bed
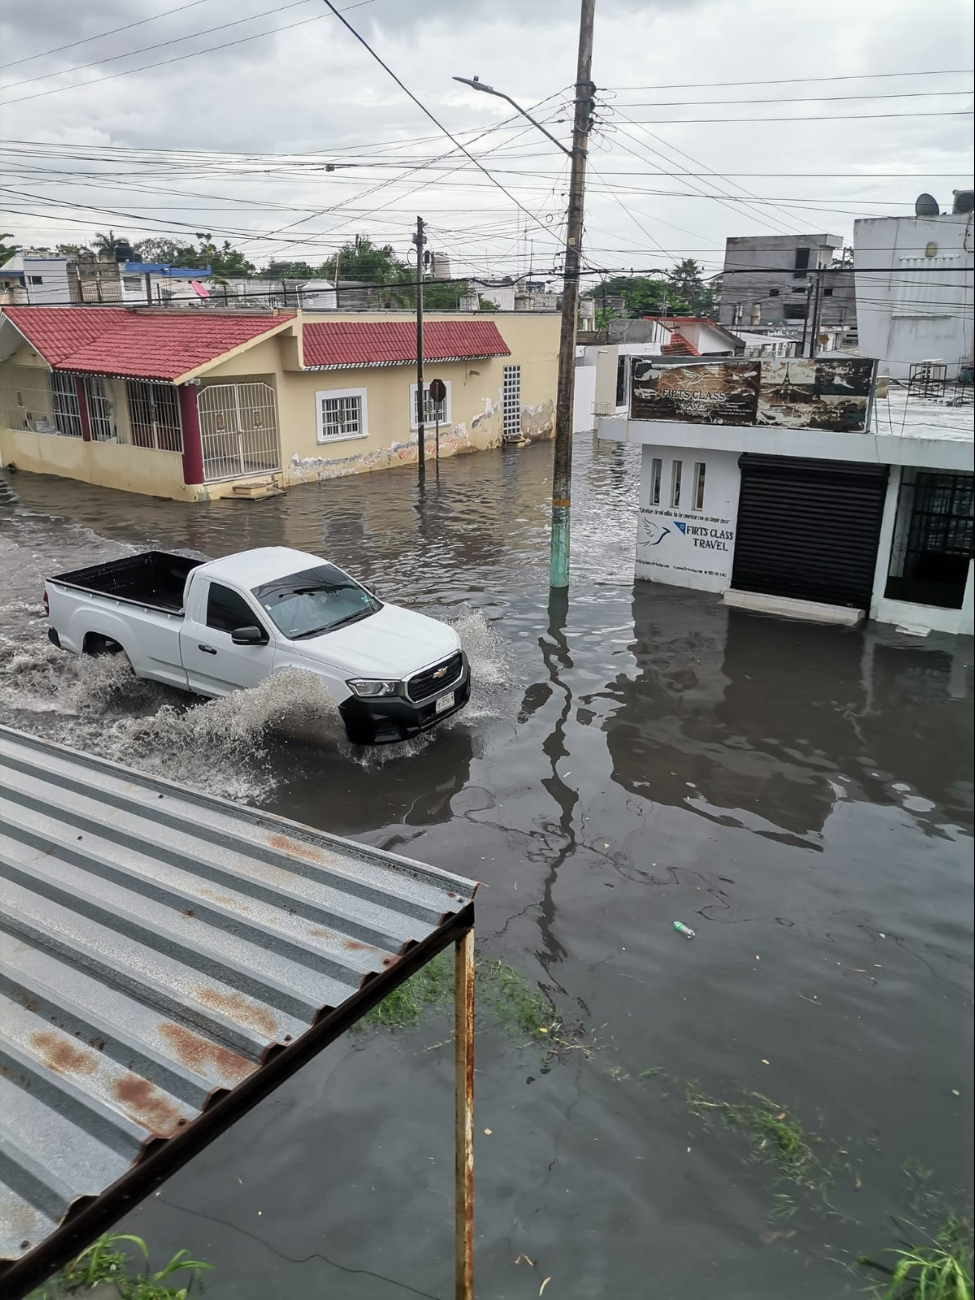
x=154, y=578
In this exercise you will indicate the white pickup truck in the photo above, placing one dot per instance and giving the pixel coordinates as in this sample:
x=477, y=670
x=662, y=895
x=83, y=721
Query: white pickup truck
x=215, y=626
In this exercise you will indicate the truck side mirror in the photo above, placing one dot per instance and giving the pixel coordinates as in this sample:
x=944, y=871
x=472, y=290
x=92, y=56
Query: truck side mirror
x=248, y=636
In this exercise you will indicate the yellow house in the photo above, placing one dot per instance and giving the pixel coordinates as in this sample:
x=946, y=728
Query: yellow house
x=199, y=404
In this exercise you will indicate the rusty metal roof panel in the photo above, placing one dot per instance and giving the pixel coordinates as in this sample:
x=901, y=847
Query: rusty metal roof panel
x=158, y=949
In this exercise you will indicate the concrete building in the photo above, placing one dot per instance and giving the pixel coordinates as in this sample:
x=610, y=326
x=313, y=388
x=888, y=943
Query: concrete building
x=914, y=285
x=602, y=369
x=767, y=280
x=35, y=276
x=789, y=487
x=197, y=405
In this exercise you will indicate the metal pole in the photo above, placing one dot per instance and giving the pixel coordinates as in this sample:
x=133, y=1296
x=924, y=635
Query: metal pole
x=562, y=470
x=817, y=311
x=464, y=1117
x=421, y=432
x=148, y=289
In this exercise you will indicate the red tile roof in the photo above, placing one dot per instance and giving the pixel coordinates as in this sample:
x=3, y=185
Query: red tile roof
x=345, y=344
x=679, y=346
x=145, y=345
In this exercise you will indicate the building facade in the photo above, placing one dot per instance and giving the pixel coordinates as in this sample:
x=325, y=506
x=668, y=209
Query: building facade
x=914, y=283
x=602, y=369
x=198, y=405
x=766, y=482
x=768, y=280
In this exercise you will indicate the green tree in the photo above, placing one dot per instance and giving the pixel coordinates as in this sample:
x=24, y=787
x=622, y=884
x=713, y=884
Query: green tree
x=373, y=264
x=7, y=250
x=164, y=251
x=293, y=271
x=685, y=278
x=641, y=294
x=687, y=283
x=76, y=252
x=223, y=260
x=443, y=295
x=104, y=244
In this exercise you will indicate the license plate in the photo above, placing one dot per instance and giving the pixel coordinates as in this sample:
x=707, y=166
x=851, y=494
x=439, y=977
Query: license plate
x=445, y=702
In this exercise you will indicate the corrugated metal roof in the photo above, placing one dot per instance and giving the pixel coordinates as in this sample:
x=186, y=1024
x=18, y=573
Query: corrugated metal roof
x=159, y=948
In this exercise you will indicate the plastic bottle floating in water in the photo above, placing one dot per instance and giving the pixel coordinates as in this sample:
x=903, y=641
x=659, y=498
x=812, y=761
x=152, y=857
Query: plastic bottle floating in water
x=683, y=929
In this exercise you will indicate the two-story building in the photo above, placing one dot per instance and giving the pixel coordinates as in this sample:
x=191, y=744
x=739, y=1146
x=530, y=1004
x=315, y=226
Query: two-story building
x=195, y=405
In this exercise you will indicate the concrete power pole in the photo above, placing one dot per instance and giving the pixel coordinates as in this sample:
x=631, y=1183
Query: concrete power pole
x=421, y=434
x=562, y=472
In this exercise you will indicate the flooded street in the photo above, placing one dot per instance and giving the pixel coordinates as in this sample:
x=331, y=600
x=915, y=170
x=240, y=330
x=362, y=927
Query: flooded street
x=799, y=795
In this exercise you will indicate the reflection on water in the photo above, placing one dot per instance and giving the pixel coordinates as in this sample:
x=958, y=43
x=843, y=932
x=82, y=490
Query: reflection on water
x=634, y=755
x=730, y=712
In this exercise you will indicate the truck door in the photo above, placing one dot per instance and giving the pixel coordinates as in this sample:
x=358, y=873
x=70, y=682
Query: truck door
x=214, y=665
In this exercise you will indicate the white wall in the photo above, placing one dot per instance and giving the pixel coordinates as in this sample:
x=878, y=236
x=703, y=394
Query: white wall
x=679, y=545
x=52, y=272
x=914, y=290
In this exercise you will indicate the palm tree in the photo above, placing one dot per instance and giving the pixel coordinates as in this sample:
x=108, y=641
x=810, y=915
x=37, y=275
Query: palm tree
x=104, y=244
x=363, y=260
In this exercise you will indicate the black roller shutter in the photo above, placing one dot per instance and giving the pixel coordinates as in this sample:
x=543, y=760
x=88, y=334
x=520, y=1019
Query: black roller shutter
x=808, y=529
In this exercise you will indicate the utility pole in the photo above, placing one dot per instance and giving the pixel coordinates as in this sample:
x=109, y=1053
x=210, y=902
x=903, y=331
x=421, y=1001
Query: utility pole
x=562, y=470
x=421, y=434
x=810, y=329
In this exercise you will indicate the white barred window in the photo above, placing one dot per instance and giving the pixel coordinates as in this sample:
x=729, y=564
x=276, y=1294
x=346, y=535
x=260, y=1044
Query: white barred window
x=342, y=413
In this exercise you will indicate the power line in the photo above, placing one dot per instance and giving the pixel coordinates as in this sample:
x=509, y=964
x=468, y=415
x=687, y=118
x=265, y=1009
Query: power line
x=178, y=58
x=782, y=227
x=825, y=117
x=28, y=58
x=423, y=108
x=798, y=99
x=789, y=81
x=144, y=49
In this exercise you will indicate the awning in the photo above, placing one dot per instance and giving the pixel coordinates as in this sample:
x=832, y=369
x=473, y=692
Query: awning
x=166, y=960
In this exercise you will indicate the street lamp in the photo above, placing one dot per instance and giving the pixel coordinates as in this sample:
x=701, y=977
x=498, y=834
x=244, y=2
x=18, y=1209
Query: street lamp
x=475, y=83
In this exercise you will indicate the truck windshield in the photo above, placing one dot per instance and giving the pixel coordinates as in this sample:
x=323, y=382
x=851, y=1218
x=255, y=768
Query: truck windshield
x=315, y=601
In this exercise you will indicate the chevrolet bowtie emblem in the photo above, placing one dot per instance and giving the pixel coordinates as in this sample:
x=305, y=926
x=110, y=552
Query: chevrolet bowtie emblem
x=441, y=672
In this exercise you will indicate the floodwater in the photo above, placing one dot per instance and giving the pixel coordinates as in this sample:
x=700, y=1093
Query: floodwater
x=801, y=796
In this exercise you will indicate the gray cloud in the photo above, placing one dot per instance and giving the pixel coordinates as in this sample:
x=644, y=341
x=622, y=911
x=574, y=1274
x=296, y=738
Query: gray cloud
x=313, y=87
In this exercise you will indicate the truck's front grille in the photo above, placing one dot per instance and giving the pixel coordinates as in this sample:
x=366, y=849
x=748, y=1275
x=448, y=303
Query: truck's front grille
x=435, y=679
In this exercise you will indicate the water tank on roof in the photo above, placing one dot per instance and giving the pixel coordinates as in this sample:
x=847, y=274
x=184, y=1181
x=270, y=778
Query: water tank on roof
x=926, y=205
x=964, y=201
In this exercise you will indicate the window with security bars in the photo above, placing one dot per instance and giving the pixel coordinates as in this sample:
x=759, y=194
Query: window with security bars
x=511, y=401
x=340, y=417
x=934, y=540
x=26, y=399
x=154, y=419
x=65, y=407
x=433, y=412
x=101, y=417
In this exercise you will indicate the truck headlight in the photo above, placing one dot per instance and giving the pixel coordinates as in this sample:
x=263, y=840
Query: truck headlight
x=373, y=688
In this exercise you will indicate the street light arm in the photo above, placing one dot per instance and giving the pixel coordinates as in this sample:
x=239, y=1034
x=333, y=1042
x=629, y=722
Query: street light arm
x=489, y=90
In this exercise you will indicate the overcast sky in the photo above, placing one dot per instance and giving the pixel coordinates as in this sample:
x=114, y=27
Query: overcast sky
x=240, y=116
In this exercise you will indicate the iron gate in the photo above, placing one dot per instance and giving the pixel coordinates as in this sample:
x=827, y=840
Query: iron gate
x=238, y=430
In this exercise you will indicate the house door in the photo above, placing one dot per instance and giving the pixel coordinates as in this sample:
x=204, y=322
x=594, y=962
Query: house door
x=809, y=529
x=238, y=430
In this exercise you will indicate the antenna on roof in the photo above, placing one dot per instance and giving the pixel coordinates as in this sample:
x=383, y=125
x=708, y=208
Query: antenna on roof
x=926, y=205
